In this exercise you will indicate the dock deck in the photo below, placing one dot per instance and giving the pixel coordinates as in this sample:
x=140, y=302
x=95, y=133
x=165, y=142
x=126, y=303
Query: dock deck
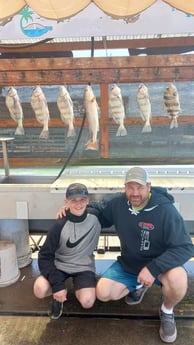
x=25, y=319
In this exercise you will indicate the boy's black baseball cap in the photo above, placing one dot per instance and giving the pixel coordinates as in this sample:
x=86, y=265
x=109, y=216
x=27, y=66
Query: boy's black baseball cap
x=76, y=190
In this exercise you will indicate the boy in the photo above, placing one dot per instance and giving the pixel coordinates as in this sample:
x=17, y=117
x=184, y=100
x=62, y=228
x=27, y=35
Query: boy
x=68, y=252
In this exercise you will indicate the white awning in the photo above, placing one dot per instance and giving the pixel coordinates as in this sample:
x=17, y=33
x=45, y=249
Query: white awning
x=67, y=21
x=57, y=9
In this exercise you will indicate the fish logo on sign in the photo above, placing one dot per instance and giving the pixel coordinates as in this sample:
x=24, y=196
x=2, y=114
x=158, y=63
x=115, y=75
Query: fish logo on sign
x=32, y=29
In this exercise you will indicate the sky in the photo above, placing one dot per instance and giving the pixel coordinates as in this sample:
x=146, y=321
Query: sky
x=101, y=53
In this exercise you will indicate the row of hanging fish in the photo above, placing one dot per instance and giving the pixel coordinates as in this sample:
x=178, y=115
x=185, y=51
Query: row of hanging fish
x=116, y=106
x=65, y=105
x=171, y=105
x=40, y=107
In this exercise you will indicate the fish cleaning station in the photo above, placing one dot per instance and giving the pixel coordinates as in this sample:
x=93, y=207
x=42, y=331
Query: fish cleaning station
x=87, y=91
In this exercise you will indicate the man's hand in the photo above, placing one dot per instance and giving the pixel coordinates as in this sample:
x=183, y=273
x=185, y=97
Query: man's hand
x=145, y=277
x=60, y=296
x=61, y=213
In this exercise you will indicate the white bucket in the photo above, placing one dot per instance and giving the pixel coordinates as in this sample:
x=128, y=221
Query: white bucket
x=9, y=271
x=17, y=231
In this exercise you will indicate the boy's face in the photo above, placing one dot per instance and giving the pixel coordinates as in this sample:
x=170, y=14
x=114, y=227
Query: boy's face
x=77, y=205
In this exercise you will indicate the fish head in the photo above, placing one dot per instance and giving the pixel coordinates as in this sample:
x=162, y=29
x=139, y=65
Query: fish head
x=142, y=89
x=115, y=90
x=171, y=88
x=88, y=93
x=37, y=91
x=12, y=92
x=62, y=90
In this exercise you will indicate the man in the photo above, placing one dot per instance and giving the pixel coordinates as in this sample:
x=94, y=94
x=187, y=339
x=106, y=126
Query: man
x=154, y=246
x=68, y=252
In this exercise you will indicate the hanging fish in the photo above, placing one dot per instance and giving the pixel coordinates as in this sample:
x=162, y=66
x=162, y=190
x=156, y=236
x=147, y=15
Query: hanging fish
x=13, y=104
x=40, y=107
x=143, y=101
x=65, y=106
x=117, y=109
x=172, y=104
x=91, y=109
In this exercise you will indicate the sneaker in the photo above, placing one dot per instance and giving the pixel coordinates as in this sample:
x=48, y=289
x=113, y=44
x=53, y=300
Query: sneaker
x=56, y=309
x=136, y=296
x=168, y=331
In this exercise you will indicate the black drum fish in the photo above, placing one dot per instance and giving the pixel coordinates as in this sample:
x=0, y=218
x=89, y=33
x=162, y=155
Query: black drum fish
x=65, y=106
x=172, y=104
x=116, y=106
x=143, y=101
x=40, y=107
x=13, y=104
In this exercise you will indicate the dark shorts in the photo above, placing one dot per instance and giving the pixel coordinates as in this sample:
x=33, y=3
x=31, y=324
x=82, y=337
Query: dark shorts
x=81, y=280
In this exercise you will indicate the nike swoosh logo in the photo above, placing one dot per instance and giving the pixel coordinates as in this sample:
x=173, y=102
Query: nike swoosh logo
x=70, y=244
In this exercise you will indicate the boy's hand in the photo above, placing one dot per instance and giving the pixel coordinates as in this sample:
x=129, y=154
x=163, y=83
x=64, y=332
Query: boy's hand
x=60, y=296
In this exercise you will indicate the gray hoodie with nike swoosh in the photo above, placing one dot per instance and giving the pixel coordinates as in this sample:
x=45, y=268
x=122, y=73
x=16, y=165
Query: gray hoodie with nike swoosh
x=69, y=247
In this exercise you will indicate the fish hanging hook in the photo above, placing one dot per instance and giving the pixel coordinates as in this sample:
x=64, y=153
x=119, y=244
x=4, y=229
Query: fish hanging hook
x=176, y=73
x=156, y=71
x=136, y=72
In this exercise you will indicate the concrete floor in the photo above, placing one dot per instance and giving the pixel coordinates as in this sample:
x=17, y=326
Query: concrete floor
x=24, y=319
x=26, y=330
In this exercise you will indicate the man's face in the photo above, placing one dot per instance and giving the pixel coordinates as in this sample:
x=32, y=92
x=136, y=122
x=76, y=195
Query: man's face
x=77, y=205
x=137, y=194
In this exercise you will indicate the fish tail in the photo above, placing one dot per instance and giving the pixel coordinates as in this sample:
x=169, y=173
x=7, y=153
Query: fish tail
x=121, y=132
x=19, y=130
x=44, y=134
x=147, y=127
x=71, y=132
x=174, y=123
x=92, y=145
